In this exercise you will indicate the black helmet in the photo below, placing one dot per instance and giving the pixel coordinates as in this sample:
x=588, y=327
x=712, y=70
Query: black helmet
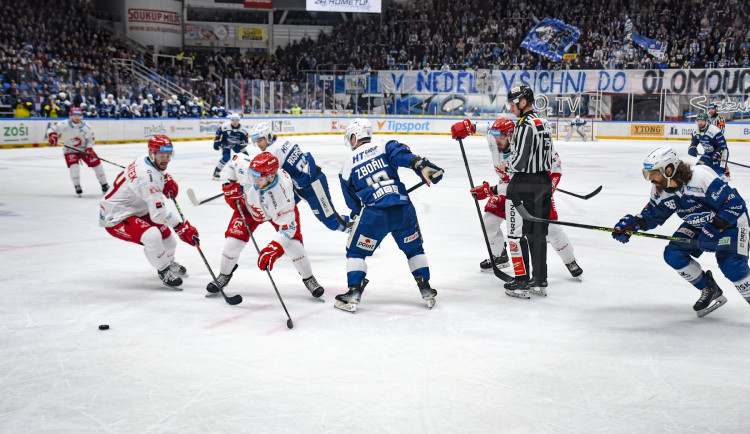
x=522, y=91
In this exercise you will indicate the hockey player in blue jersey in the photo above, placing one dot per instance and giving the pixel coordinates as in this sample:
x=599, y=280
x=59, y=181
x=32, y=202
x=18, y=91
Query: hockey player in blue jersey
x=380, y=205
x=715, y=220
x=218, y=111
x=194, y=108
x=715, y=151
x=173, y=107
x=231, y=136
x=148, y=107
x=577, y=126
x=310, y=183
x=108, y=108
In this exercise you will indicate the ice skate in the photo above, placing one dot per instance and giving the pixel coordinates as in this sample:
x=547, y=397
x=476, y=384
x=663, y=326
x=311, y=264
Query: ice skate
x=79, y=191
x=170, y=278
x=501, y=261
x=178, y=269
x=538, y=287
x=222, y=280
x=517, y=288
x=350, y=300
x=105, y=187
x=313, y=286
x=216, y=176
x=709, y=294
x=574, y=269
x=428, y=294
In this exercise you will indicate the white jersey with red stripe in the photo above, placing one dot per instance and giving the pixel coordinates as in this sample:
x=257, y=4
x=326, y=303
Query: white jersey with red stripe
x=274, y=202
x=79, y=136
x=137, y=191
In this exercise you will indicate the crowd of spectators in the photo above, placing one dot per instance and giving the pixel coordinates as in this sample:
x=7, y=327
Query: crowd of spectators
x=53, y=55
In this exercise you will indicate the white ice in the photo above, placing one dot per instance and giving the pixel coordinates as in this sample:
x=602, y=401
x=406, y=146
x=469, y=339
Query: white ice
x=621, y=351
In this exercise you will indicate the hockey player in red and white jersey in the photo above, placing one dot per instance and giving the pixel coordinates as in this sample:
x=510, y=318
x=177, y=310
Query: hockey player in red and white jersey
x=78, y=141
x=135, y=210
x=499, y=210
x=264, y=193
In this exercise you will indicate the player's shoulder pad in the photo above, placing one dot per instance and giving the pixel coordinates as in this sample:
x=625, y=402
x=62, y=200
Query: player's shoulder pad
x=712, y=131
x=702, y=178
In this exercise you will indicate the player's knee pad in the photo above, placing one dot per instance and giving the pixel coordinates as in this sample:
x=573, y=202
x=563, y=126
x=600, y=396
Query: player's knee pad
x=733, y=266
x=152, y=239
x=232, y=248
x=170, y=243
x=225, y=155
x=676, y=257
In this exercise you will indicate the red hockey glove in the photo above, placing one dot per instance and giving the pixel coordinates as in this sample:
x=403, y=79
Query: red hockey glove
x=463, y=129
x=187, y=233
x=554, y=178
x=233, y=193
x=53, y=137
x=483, y=191
x=170, y=187
x=269, y=255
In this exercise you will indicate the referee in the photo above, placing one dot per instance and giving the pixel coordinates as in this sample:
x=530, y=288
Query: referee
x=529, y=185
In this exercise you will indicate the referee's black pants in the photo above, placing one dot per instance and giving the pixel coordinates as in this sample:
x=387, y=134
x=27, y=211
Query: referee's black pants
x=534, y=191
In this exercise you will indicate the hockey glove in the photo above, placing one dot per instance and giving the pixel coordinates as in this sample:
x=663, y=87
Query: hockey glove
x=427, y=171
x=627, y=223
x=187, y=233
x=233, y=194
x=716, y=156
x=463, y=129
x=53, y=137
x=693, y=151
x=483, y=191
x=170, y=189
x=708, y=239
x=269, y=255
x=217, y=145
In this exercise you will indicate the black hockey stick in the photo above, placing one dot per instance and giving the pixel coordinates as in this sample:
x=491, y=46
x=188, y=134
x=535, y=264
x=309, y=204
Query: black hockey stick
x=233, y=300
x=289, y=322
x=196, y=202
x=526, y=216
x=95, y=156
x=587, y=196
x=504, y=277
x=738, y=164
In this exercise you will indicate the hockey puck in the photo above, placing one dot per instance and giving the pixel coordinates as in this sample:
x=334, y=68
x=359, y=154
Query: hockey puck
x=104, y=327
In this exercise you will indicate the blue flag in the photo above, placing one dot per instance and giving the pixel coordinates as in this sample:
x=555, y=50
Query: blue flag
x=654, y=47
x=551, y=38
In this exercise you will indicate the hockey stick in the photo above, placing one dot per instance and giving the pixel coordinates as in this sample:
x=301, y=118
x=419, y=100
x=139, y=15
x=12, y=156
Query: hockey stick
x=233, y=300
x=196, y=202
x=504, y=277
x=526, y=216
x=95, y=156
x=738, y=164
x=587, y=196
x=289, y=322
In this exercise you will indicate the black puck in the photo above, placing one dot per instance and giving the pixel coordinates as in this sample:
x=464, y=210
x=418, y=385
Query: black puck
x=104, y=327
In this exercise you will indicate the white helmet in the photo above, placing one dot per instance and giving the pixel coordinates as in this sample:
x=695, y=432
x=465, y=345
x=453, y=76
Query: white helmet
x=659, y=159
x=195, y=99
x=234, y=116
x=578, y=118
x=110, y=96
x=149, y=96
x=360, y=128
x=261, y=130
x=174, y=97
x=62, y=96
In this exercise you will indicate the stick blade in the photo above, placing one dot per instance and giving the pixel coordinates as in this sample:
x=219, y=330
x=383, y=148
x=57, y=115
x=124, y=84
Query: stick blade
x=191, y=196
x=593, y=193
x=234, y=300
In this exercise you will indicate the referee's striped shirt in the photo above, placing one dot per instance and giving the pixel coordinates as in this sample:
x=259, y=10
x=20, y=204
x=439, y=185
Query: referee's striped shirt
x=531, y=145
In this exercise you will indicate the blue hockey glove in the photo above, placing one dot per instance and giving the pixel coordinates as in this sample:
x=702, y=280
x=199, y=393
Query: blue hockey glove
x=217, y=145
x=708, y=240
x=427, y=171
x=627, y=223
x=693, y=151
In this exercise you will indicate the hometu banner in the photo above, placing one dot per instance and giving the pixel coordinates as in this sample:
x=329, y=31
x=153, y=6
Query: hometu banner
x=551, y=38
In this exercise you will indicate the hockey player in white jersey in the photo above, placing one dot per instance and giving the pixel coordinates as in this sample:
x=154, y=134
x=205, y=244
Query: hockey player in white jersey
x=499, y=210
x=78, y=141
x=230, y=137
x=135, y=210
x=264, y=193
x=577, y=125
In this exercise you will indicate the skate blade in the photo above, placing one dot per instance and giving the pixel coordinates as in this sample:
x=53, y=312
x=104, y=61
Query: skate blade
x=720, y=301
x=173, y=288
x=542, y=292
x=520, y=294
x=499, y=266
x=348, y=307
x=430, y=301
x=212, y=294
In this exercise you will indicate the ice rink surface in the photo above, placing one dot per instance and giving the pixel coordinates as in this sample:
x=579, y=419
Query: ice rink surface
x=621, y=351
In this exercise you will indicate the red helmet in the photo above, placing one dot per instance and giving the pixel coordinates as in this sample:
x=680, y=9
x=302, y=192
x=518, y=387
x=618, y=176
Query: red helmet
x=503, y=127
x=264, y=164
x=160, y=143
x=76, y=111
